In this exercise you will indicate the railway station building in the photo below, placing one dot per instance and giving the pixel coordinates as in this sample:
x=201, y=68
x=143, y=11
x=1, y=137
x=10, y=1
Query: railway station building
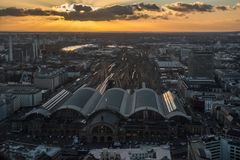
x=115, y=115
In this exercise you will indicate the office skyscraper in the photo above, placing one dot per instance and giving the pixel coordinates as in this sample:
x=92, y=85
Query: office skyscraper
x=201, y=64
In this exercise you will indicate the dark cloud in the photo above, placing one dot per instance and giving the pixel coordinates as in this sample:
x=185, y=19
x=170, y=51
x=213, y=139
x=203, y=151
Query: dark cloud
x=86, y=13
x=11, y=12
x=190, y=7
x=82, y=8
x=36, y=12
x=222, y=8
x=103, y=14
x=149, y=7
x=138, y=16
x=28, y=12
x=199, y=7
x=81, y=12
x=116, y=12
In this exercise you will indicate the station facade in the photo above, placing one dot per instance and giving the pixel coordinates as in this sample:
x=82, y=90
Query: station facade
x=114, y=116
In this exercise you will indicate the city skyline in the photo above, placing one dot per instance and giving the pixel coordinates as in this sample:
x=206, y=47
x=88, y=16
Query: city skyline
x=120, y=16
x=118, y=96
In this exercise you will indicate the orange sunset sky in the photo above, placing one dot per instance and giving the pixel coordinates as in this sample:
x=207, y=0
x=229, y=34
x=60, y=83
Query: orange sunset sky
x=120, y=15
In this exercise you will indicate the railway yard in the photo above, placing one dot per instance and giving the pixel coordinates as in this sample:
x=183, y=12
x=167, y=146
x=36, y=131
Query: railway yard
x=128, y=70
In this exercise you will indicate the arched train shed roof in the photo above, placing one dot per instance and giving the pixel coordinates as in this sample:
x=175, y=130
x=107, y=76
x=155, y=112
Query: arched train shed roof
x=89, y=102
x=38, y=111
x=143, y=99
x=171, y=106
x=83, y=100
x=113, y=99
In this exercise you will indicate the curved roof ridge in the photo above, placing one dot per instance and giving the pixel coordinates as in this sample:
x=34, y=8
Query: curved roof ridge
x=137, y=107
x=85, y=88
x=41, y=111
x=147, y=89
x=177, y=113
x=72, y=107
x=116, y=88
x=146, y=108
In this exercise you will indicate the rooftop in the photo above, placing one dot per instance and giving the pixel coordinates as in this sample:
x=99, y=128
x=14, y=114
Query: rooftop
x=49, y=72
x=18, y=89
x=28, y=151
x=87, y=101
x=169, y=64
x=161, y=152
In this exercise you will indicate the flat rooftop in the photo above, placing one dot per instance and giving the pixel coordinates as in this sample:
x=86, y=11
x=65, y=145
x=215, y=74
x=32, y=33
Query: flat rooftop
x=18, y=89
x=169, y=64
x=161, y=152
x=28, y=150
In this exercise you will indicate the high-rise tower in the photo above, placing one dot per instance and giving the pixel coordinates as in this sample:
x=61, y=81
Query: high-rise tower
x=201, y=64
x=10, y=55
